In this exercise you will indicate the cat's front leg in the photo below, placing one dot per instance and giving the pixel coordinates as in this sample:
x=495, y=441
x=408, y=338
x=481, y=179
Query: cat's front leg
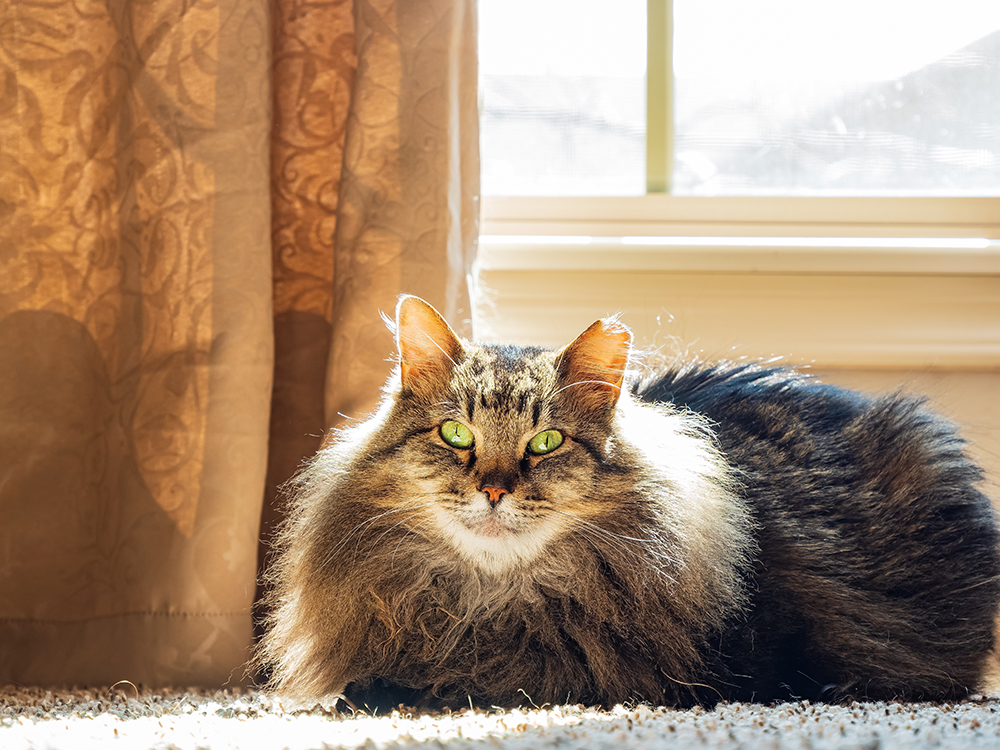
x=316, y=640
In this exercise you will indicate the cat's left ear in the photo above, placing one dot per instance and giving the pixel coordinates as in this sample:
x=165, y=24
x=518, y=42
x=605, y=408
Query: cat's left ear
x=428, y=348
x=592, y=368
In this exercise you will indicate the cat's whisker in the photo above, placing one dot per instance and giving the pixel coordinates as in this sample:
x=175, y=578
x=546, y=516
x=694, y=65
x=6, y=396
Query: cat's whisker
x=586, y=528
x=590, y=531
x=642, y=553
x=349, y=535
x=361, y=527
x=649, y=544
x=597, y=532
x=411, y=531
x=406, y=532
x=409, y=507
x=587, y=382
x=396, y=525
x=607, y=532
x=429, y=338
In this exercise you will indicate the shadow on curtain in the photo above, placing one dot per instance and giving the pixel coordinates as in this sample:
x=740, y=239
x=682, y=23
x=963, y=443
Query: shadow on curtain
x=203, y=207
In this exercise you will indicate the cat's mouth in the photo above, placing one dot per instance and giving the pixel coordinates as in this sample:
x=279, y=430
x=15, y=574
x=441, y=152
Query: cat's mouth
x=489, y=527
x=495, y=539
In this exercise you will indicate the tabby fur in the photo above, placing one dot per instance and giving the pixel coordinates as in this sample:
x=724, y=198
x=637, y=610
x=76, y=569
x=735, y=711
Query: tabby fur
x=711, y=531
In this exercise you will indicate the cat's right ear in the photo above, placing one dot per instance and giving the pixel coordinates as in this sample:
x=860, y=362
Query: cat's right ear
x=592, y=368
x=428, y=348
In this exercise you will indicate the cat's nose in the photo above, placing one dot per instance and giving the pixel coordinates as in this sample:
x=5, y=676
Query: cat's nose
x=494, y=495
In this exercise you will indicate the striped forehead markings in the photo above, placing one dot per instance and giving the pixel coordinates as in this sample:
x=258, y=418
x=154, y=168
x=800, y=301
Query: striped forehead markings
x=522, y=402
x=503, y=378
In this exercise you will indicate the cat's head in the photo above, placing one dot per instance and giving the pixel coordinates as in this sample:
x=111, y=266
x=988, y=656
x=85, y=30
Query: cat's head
x=508, y=448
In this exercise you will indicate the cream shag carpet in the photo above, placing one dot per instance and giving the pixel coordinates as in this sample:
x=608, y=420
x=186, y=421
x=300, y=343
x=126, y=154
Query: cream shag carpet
x=124, y=718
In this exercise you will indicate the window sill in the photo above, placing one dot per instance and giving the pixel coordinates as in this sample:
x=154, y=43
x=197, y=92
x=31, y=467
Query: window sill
x=826, y=255
x=838, y=283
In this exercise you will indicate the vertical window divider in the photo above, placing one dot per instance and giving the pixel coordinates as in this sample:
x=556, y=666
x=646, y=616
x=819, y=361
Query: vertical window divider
x=659, y=95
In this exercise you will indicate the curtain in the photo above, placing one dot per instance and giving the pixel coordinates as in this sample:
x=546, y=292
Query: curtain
x=203, y=208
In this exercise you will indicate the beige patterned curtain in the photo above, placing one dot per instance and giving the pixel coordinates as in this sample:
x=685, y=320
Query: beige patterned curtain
x=203, y=207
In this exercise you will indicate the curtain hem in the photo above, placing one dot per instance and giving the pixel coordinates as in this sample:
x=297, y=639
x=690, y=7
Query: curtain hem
x=154, y=649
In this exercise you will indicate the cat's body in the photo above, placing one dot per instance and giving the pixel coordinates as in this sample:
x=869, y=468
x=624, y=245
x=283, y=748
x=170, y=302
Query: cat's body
x=511, y=526
x=876, y=565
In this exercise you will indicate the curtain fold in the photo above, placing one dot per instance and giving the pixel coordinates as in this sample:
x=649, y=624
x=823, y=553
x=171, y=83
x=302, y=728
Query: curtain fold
x=408, y=213
x=202, y=209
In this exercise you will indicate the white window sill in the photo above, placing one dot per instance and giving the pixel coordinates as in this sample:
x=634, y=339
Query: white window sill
x=842, y=282
x=825, y=255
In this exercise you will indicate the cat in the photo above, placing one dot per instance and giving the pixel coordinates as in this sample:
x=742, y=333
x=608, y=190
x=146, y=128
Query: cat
x=517, y=525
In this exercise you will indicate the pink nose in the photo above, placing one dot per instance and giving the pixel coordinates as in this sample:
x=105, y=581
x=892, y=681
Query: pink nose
x=494, y=495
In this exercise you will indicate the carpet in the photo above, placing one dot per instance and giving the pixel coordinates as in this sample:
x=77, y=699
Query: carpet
x=125, y=718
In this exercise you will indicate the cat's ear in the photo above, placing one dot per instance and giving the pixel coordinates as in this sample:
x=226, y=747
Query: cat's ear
x=592, y=368
x=428, y=348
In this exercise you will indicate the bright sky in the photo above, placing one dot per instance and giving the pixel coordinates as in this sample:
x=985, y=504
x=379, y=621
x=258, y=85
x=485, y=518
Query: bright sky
x=840, y=40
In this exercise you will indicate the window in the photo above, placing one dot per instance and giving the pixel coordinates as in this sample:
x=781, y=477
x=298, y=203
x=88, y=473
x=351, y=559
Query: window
x=811, y=178
x=771, y=97
x=563, y=97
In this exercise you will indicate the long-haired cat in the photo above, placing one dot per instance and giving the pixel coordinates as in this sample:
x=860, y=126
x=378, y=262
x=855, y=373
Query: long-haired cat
x=520, y=523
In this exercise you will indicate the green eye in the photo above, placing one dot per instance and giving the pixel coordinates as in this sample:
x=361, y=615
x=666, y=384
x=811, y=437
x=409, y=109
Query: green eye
x=545, y=442
x=456, y=434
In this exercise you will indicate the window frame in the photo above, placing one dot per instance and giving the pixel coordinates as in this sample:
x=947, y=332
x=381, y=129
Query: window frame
x=919, y=302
